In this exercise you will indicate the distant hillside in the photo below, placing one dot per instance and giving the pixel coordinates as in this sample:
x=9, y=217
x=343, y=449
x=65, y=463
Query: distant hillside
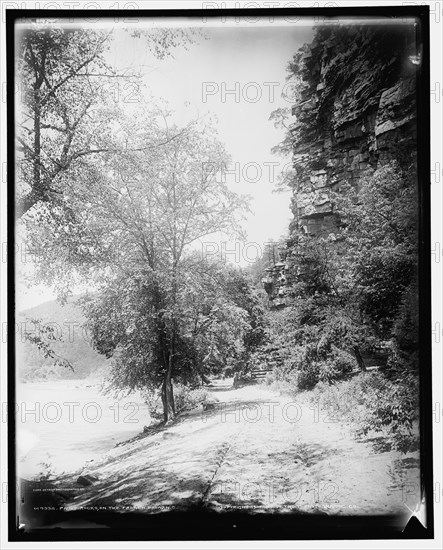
x=67, y=321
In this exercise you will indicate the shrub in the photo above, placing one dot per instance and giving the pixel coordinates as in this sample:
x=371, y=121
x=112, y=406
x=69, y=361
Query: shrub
x=295, y=358
x=153, y=401
x=282, y=372
x=372, y=403
x=344, y=362
x=187, y=399
x=327, y=372
x=340, y=364
x=302, y=367
x=308, y=375
x=300, y=370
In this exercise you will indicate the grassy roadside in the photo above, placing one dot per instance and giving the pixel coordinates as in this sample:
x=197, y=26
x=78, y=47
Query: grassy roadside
x=376, y=408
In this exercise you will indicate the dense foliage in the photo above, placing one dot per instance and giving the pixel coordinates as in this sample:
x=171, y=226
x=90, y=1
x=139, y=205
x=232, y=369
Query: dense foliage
x=217, y=320
x=356, y=287
x=130, y=226
x=373, y=405
x=355, y=299
x=69, y=103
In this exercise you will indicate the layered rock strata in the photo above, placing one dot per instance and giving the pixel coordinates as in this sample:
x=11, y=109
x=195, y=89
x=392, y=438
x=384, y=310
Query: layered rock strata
x=356, y=110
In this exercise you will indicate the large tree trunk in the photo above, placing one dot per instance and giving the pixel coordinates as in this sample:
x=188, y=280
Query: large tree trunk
x=168, y=394
x=360, y=360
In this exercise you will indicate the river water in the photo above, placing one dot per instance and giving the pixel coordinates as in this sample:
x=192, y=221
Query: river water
x=63, y=424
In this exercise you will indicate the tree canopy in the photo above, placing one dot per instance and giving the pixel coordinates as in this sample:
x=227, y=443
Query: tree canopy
x=69, y=105
x=129, y=226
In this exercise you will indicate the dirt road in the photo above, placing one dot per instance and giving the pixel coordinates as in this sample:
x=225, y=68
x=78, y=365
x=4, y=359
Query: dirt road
x=255, y=450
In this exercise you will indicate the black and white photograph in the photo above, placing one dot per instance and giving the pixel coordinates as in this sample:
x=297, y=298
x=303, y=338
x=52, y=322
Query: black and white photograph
x=219, y=281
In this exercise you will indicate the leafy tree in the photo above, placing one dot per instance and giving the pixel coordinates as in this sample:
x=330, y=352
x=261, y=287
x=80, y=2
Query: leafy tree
x=134, y=229
x=379, y=229
x=211, y=330
x=68, y=108
x=358, y=286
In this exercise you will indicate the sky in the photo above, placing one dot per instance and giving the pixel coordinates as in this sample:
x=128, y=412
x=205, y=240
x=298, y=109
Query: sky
x=236, y=74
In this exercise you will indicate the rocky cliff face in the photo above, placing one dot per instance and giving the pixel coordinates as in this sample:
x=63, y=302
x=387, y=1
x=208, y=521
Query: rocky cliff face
x=356, y=110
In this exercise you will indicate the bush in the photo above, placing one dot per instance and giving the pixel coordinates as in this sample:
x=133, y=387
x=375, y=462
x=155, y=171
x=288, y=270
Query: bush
x=327, y=372
x=185, y=399
x=308, y=375
x=302, y=367
x=282, y=372
x=340, y=364
x=372, y=403
x=344, y=362
x=295, y=358
x=153, y=401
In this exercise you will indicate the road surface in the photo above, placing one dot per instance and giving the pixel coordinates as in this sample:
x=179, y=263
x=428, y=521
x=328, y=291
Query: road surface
x=255, y=450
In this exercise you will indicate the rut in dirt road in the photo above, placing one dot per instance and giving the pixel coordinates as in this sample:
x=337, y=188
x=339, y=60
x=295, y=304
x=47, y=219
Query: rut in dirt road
x=256, y=450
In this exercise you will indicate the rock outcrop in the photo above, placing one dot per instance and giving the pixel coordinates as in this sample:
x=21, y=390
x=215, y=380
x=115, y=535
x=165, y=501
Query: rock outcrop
x=356, y=111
